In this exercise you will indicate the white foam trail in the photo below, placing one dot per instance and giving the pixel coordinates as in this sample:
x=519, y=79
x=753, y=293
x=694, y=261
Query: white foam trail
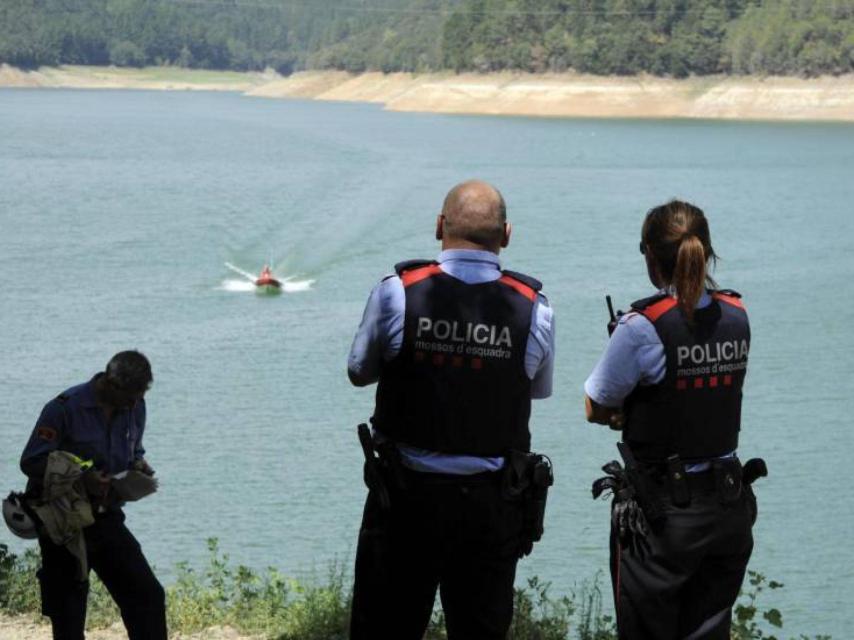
x=237, y=285
x=288, y=285
x=245, y=274
x=292, y=286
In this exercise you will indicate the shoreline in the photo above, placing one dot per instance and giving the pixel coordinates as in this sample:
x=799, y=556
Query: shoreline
x=828, y=99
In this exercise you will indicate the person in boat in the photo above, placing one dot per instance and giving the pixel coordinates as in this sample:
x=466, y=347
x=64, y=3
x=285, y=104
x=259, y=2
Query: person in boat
x=267, y=279
x=101, y=422
x=671, y=381
x=458, y=348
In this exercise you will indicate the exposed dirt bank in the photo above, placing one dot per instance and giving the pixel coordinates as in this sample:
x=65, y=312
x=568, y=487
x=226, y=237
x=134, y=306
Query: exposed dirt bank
x=555, y=95
x=153, y=78
x=25, y=628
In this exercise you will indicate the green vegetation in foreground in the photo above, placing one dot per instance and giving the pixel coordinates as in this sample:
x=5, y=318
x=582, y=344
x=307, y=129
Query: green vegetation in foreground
x=277, y=607
x=663, y=37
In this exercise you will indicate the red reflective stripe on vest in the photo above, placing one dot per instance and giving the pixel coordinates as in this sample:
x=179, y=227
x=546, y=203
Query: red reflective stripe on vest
x=520, y=287
x=736, y=302
x=655, y=311
x=417, y=275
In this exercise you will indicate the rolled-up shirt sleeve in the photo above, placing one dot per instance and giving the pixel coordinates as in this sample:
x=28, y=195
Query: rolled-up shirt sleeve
x=634, y=355
x=380, y=333
x=540, y=352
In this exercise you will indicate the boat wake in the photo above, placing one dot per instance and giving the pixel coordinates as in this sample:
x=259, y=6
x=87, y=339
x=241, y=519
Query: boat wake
x=236, y=285
x=294, y=286
x=244, y=286
x=249, y=283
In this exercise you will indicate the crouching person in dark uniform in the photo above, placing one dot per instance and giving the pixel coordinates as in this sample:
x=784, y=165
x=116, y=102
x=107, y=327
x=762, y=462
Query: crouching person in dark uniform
x=671, y=379
x=101, y=424
x=458, y=347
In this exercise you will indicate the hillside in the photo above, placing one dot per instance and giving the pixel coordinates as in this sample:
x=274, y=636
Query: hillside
x=669, y=38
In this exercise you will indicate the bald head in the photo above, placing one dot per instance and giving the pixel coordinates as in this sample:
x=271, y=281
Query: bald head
x=473, y=216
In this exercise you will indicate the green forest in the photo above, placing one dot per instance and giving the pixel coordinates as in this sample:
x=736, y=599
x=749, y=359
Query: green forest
x=674, y=38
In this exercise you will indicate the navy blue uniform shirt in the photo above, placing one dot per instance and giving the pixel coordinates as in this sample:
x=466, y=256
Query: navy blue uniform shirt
x=74, y=422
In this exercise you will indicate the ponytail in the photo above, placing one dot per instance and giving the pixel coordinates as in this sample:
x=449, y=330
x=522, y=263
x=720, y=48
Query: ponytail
x=689, y=274
x=676, y=237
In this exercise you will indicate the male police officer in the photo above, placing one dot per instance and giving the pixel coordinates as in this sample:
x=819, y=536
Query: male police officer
x=459, y=348
x=100, y=421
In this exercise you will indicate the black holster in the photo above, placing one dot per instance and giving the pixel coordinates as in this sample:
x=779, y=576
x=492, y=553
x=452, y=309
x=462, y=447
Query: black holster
x=526, y=479
x=383, y=473
x=373, y=476
x=645, y=493
x=754, y=469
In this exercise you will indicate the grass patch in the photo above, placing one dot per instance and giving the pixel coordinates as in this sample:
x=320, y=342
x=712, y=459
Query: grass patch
x=270, y=605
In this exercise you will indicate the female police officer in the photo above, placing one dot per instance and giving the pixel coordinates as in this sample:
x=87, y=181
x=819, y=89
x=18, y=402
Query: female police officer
x=671, y=380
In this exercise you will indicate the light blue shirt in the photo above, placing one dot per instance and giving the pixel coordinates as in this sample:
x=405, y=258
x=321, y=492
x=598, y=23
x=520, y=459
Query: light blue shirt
x=380, y=336
x=634, y=356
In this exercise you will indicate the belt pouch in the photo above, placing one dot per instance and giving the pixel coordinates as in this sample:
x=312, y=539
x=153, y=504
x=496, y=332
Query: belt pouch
x=727, y=479
x=680, y=492
x=516, y=475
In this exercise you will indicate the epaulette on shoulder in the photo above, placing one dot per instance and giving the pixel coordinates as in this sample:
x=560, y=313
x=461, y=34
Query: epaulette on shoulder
x=643, y=303
x=732, y=293
x=523, y=284
x=62, y=398
x=535, y=284
x=414, y=271
x=729, y=296
x=654, y=307
x=409, y=265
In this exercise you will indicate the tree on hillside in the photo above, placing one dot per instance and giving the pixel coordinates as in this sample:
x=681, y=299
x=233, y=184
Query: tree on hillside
x=664, y=37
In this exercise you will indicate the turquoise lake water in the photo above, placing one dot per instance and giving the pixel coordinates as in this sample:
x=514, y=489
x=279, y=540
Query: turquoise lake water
x=118, y=210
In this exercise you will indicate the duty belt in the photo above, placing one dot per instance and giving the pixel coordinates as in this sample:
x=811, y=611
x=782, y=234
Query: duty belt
x=638, y=487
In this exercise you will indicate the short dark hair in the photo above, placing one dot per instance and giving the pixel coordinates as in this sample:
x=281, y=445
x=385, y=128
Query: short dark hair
x=475, y=211
x=129, y=371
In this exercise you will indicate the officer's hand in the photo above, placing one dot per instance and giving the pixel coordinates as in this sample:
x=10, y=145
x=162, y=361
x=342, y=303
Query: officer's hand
x=616, y=421
x=97, y=483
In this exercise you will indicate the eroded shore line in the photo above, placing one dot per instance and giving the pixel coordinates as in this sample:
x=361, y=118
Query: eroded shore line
x=523, y=94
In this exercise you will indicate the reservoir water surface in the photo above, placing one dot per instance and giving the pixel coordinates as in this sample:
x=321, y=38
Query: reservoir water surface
x=118, y=210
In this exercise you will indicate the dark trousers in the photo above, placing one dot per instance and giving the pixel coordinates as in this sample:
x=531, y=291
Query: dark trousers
x=116, y=557
x=682, y=582
x=458, y=536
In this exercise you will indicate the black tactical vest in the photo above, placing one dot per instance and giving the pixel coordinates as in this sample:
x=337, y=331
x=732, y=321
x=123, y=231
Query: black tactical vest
x=695, y=411
x=458, y=384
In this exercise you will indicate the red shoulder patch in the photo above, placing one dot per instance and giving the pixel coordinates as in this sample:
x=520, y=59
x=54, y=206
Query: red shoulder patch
x=654, y=311
x=418, y=274
x=48, y=434
x=520, y=287
x=731, y=300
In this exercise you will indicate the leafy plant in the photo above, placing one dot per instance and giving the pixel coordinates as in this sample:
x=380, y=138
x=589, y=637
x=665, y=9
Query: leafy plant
x=268, y=604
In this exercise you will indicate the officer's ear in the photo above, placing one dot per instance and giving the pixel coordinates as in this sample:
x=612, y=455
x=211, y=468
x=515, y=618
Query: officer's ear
x=440, y=224
x=505, y=239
